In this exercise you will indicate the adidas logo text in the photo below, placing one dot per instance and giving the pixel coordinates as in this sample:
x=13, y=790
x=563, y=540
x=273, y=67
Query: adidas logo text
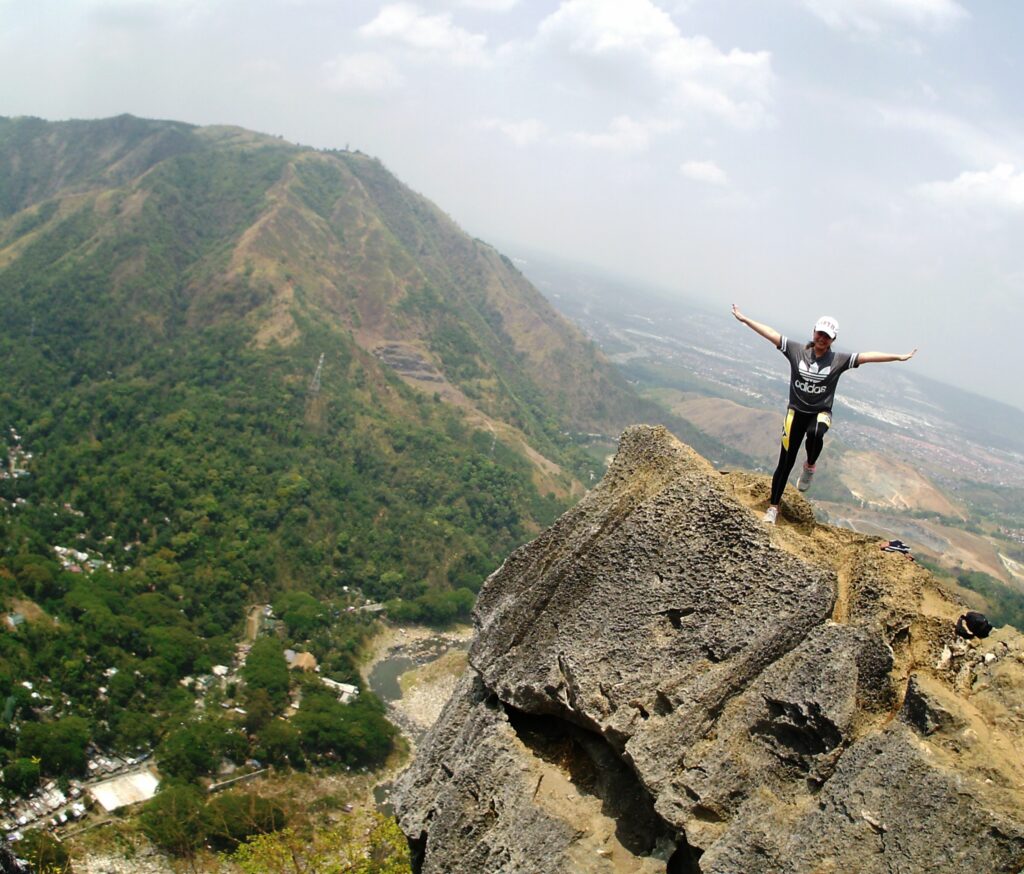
x=810, y=388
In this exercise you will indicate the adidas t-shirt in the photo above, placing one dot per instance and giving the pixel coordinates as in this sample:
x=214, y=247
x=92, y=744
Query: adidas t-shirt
x=812, y=381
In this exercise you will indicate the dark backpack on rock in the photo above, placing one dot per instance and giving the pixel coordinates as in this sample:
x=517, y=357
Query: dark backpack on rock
x=973, y=624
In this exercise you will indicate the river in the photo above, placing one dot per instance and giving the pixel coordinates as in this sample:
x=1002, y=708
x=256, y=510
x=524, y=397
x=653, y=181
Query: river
x=431, y=663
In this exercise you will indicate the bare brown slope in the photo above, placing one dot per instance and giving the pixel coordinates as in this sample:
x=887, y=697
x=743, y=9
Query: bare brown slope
x=754, y=432
x=882, y=481
x=951, y=547
x=552, y=351
x=341, y=240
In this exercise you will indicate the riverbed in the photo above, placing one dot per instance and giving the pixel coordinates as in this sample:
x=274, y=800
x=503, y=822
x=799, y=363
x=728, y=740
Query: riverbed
x=414, y=671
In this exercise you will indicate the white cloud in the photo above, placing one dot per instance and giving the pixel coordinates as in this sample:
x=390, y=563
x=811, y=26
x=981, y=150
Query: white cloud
x=434, y=35
x=873, y=16
x=144, y=14
x=707, y=172
x=365, y=71
x=735, y=86
x=1002, y=186
x=691, y=72
x=597, y=26
x=174, y=5
x=522, y=133
x=624, y=134
x=489, y=5
x=957, y=136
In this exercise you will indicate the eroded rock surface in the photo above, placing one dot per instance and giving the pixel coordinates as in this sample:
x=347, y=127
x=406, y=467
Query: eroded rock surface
x=661, y=683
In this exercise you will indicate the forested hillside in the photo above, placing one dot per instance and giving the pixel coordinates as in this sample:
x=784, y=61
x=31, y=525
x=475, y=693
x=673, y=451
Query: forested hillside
x=239, y=372
x=137, y=376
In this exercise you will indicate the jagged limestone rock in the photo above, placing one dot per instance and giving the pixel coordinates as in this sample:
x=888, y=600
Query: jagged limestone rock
x=511, y=798
x=888, y=808
x=488, y=782
x=764, y=700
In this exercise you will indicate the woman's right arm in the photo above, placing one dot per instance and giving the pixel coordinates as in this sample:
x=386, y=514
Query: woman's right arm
x=770, y=334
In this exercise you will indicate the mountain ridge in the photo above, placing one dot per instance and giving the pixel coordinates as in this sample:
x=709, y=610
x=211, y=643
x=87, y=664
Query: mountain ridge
x=127, y=244
x=329, y=234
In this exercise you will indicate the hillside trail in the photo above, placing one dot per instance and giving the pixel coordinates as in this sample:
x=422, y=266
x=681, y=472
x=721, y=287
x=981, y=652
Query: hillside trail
x=977, y=687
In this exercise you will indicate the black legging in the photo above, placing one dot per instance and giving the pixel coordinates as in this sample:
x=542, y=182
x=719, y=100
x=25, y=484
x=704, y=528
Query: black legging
x=814, y=426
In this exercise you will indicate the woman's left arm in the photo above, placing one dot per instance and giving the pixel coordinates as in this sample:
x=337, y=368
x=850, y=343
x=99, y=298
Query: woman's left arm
x=883, y=357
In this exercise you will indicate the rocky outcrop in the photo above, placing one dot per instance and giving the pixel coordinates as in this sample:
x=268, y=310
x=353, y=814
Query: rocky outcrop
x=661, y=683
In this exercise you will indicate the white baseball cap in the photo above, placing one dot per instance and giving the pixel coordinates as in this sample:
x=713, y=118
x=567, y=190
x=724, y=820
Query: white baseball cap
x=827, y=325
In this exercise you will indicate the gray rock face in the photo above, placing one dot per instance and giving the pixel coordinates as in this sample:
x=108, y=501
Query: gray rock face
x=661, y=683
x=9, y=863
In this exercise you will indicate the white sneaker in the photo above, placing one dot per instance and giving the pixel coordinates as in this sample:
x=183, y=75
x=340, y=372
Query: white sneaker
x=806, y=475
x=770, y=515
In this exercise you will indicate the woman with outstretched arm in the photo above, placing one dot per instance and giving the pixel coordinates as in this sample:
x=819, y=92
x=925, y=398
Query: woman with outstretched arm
x=814, y=372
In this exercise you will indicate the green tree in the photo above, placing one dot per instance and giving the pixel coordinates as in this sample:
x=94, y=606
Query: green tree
x=259, y=710
x=59, y=746
x=266, y=669
x=365, y=844
x=357, y=733
x=232, y=817
x=21, y=776
x=133, y=730
x=278, y=744
x=175, y=645
x=121, y=688
x=173, y=819
x=303, y=615
x=187, y=752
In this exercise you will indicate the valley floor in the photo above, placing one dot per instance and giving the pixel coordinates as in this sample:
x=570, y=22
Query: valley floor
x=438, y=660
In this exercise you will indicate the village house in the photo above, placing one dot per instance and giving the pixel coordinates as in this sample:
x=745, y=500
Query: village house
x=346, y=692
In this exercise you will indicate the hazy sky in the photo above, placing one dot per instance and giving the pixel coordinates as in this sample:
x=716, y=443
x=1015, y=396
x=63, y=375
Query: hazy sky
x=863, y=158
